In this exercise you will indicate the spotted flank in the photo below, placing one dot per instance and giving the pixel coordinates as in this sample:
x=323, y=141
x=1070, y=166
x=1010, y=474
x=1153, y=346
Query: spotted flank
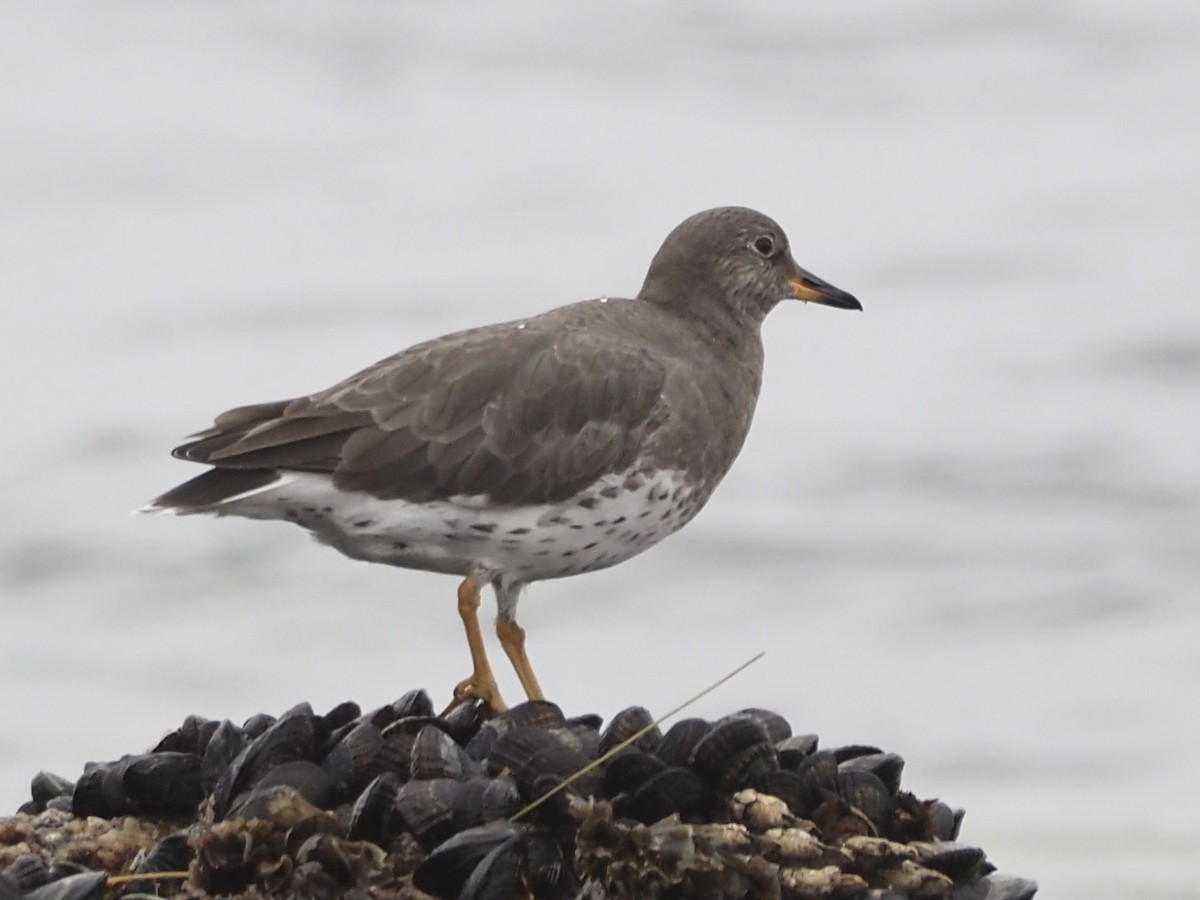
x=610, y=522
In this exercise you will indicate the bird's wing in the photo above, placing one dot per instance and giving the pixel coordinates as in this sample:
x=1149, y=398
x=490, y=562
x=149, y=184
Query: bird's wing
x=516, y=415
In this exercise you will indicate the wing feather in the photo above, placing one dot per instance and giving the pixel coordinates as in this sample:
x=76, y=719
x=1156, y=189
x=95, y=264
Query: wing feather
x=530, y=415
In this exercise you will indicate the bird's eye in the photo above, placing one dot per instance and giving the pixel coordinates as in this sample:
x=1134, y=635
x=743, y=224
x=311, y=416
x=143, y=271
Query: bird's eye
x=764, y=246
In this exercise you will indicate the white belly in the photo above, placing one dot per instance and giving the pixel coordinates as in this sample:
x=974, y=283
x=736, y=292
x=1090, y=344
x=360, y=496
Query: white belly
x=602, y=526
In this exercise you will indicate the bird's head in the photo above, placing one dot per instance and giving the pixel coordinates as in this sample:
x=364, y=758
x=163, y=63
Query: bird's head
x=738, y=259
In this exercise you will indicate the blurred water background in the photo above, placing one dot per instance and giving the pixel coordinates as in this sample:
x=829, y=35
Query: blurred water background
x=965, y=526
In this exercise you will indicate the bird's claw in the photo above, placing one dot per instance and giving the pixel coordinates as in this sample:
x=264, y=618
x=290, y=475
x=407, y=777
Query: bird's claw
x=478, y=688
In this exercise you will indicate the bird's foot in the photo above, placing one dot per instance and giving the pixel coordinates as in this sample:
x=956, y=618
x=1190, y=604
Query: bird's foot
x=480, y=686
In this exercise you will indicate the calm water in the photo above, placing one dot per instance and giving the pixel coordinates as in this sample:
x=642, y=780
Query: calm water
x=964, y=526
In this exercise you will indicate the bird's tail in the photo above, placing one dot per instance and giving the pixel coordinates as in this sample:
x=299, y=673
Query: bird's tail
x=213, y=489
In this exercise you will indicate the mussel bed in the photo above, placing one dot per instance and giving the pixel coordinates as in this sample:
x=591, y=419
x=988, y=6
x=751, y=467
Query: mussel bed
x=398, y=802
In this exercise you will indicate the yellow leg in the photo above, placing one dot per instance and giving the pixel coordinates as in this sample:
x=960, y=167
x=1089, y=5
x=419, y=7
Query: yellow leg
x=482, y=683
x=512, y=639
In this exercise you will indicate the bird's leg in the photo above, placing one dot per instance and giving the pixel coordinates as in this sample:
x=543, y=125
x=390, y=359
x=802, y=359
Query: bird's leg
x=512, y=639
x=482, y=683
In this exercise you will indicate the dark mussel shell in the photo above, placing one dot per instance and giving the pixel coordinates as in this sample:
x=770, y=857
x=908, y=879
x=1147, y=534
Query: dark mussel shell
x=414, y=703
x=789, y=787
x=47, y=786
x=594, y=721
x=495, y=878
x=778, y=728
x=165, y=784
x=734, y=754
x=447, y=869
x=282, y=803
x=78, y=886
x=675, y=749
x=170, y=854
x=625, y=725
x=533, y=712
x=887, y=767
x=942, y=823
x=223, y=747
x=309, y=780
x=381, y=717
x=549, y=873
x=290, y=738
x=629, y=770
x=480, y=746
x=26, y=873
x=820, y=774
x=481, y=800
x=745, y=767
x=540, y=713
x=326, y=867
x=464, y=720
x=353, y=760
x=426, y=809
x=88, y=797
x=189, y=737
x=112, y=787
x=852, y=750
x=794, y=750
x=865, y=792
x=580, y=738
x=372, y=818
x=672, y=791
x=434, y=754
x=529, y=753
x=341, y=715
x=395, y=755
x=207, y=729
x=411, y=726
x=257, y=724
x=553, y=796
x=724, y=740
x=63, y=868
x=958, y=862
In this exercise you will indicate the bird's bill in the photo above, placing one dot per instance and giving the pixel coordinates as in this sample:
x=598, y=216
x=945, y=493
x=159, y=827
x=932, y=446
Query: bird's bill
x=811, y=289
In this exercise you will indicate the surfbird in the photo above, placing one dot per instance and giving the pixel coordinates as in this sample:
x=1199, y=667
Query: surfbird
x=533, y=449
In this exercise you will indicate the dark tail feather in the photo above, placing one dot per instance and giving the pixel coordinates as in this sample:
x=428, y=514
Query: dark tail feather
x=211, y=488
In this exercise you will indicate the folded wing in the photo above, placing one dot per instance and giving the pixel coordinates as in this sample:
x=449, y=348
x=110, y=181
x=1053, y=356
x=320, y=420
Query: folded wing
x=518, y=416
